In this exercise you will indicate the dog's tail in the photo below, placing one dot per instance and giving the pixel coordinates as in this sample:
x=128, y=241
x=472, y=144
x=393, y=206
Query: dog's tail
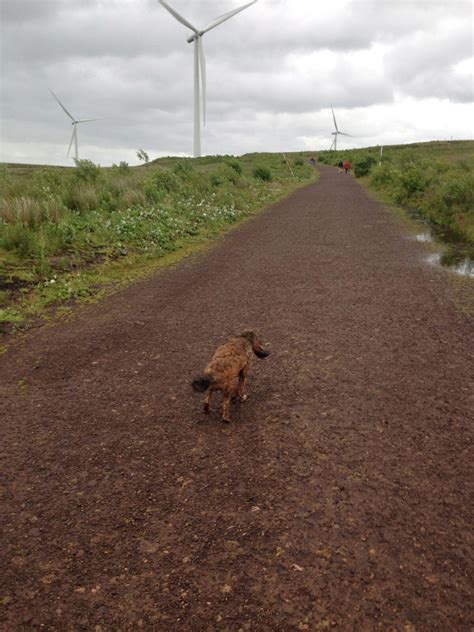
x=202, y=383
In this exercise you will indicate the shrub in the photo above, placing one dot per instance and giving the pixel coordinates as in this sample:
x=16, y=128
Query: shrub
x=153, y=194
x=183, y=169
x=235, y=165
x=216, y=180
x=160, y=181
x=299, y=162
x=456, y=190
x=225, y=174
x=10, y=316
x=123, y=167
x=363, y=166
x=412, y=181
x=108, y=200
x=19, y=238
x=262, y=173
x=47, y=182
x=452, y=198
x=382, y=176
x=86, y=170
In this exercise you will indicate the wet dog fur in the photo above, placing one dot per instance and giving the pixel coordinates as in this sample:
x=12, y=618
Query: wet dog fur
x=228, y=369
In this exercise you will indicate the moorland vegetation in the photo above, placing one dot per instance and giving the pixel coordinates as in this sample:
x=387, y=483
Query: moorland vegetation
x=436, y=180
x=68, y=233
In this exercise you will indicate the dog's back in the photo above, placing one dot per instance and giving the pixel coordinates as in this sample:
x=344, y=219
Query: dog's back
x=225, y=366
x=228, y=368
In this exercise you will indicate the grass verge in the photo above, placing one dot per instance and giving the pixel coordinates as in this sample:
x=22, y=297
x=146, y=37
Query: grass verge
x=103, y=232
x=436, y=180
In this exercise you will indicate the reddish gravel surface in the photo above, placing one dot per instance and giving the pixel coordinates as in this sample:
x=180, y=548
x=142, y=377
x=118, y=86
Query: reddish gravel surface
x=338, y=498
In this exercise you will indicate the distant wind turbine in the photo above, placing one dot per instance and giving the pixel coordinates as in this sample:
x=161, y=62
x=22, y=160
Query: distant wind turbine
x=75, y=122
x=200, y=65
x=336, y=133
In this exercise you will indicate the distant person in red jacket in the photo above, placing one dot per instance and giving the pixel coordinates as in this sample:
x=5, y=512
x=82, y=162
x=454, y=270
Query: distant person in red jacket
x=347, y=166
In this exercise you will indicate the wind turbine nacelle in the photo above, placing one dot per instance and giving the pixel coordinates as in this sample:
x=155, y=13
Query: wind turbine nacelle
x=191, y=38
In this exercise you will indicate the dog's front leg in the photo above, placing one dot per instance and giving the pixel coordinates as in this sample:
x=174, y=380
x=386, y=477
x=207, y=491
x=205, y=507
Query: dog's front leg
x=207, y=402
x=226, y=407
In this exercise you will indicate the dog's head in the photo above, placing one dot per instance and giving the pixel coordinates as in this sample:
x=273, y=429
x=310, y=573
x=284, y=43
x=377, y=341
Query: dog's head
x=257, y=346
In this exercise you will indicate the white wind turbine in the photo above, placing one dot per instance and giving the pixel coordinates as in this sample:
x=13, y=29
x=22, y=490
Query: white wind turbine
x=200, y=65
x=336, y=133
x=75, y=122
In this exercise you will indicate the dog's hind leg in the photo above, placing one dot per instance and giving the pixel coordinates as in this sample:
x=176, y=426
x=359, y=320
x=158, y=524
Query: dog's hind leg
x=242, y=384
x=226, y=406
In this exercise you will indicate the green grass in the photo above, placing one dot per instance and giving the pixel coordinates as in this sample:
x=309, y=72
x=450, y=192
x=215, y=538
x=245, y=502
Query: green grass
x=10, y=316
x=436, y=179
x=71, y=234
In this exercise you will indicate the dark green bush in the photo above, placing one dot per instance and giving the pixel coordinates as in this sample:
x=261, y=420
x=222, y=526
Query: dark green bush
x=123, y=167
x=216, y=180
x=262, y=173
x=107, y=201
x=19, y=238
x=183, y=169
x=363, y=166
x=383, y=175
x=163, y=181
x=86, y=170
x=235, y=165
x=412, y=181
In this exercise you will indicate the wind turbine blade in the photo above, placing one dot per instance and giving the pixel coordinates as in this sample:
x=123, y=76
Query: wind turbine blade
x=344, y=134
x=332, y=145
x=68, y=113
x=89, y=120
x=226, y=16
x=334, y=118
x=202, y=64
x=178, y=17
x=72, y=138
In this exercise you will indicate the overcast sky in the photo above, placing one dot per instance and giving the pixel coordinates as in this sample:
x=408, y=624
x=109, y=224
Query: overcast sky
x=395, y=71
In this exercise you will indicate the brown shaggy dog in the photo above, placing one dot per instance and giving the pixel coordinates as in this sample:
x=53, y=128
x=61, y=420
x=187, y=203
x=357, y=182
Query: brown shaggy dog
x=227, y=371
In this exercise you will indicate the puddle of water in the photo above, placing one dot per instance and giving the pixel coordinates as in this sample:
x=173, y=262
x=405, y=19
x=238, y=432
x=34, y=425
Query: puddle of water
x=424, y=237
x=458, y=258
x=464, y=267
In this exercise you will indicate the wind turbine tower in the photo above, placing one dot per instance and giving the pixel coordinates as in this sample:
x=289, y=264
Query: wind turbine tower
x=336, y=133
x=75, y=123
x=200, y=66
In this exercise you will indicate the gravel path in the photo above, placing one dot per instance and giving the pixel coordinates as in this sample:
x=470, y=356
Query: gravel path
x=338, y=498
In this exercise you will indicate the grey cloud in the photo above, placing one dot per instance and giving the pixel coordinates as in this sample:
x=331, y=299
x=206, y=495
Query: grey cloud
x=272, y=71
x=447, y=86
x=35, y=10
x=423, y=63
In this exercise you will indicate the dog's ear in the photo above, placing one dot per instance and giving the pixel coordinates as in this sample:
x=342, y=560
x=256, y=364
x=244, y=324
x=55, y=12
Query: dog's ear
x=257, y=346
x=249, y=335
